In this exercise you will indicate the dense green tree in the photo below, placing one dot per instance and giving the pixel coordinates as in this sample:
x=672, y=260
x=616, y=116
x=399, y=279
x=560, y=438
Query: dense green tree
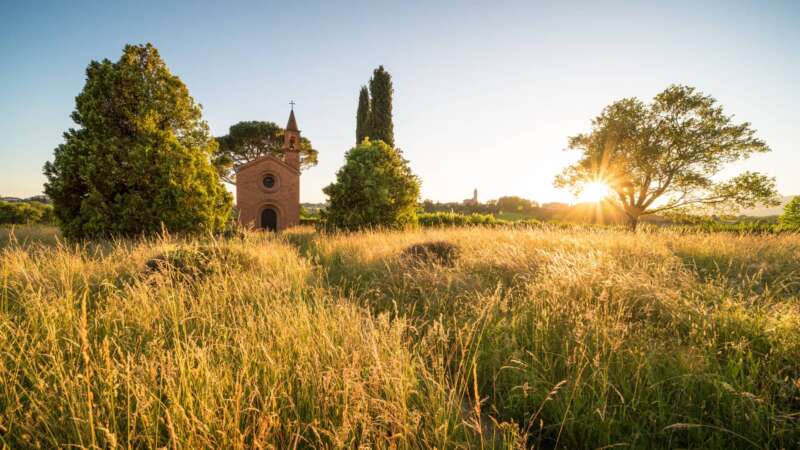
x=362, y=115
x=791, y=213
x=374, y=189
x=664, y=156
x=139, y=160
x=514, y=203
x=380, y=122
x=247, y=141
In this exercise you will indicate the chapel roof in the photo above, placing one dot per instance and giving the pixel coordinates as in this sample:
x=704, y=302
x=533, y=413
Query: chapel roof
x=292, y=124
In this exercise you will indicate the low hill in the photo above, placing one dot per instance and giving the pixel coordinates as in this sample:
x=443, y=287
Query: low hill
x=764, y=211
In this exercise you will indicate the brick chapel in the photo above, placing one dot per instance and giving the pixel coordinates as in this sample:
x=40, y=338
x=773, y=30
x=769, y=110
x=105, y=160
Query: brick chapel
x=268, y=188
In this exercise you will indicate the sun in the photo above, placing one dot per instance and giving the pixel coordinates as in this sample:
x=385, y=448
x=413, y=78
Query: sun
x=594, y=192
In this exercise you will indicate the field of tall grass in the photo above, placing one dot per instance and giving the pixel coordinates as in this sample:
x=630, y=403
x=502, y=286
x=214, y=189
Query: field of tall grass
x=505, y=338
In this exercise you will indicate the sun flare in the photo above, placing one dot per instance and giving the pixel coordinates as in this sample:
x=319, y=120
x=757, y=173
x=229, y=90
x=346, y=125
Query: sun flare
x=594, y=192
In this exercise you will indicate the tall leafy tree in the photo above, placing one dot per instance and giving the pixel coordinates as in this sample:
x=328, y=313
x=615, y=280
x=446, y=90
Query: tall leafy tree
x=380, y=122
x=665, y=156
x=247, y=141
x=374, y=189
x=362, y=115
x=139, y=160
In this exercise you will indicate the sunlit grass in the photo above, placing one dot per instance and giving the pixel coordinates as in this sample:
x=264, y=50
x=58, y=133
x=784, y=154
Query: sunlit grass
x=541, y=337
x=28, y=234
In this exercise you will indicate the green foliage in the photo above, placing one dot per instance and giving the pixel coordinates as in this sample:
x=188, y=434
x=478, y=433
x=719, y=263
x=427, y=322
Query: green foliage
x=247, y=141
x=310, y=220
x=455, y=219
x=308, y=217
x=791, y=214
x=380, y=125
x=515, y=204
x=449, y=219
x=752, y=227
x=362, y=115
x=664, y=156
x=29, y=213
x=374, y=189
x=139, y=160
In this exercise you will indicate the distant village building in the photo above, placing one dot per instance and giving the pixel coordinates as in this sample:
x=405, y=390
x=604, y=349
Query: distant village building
x=474, y=200
x=268, y=188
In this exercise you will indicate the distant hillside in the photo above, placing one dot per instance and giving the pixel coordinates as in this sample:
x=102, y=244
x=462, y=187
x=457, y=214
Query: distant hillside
x=36, y=198
x=764, y=211
x=313, y=207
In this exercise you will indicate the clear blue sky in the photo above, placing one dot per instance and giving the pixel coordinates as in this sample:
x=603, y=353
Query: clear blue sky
x=486, y=93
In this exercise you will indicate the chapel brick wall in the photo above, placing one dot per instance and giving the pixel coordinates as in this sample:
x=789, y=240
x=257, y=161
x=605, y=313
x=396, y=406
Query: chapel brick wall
x=252, y=197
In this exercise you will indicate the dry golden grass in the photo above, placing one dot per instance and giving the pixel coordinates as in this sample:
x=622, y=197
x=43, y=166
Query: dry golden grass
x=532, y=338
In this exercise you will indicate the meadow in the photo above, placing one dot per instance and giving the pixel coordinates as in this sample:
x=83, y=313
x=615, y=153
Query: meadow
x=511, y=338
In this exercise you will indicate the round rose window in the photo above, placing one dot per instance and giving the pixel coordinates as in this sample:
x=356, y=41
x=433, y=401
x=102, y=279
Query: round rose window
x=269, y=181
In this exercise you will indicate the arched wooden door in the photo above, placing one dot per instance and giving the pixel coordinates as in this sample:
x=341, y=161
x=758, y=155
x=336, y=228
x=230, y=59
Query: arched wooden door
x=269, y=219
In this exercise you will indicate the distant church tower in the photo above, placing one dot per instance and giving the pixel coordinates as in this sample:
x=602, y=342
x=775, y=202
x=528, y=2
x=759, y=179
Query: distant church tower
x=472, y=201
x=268, y=188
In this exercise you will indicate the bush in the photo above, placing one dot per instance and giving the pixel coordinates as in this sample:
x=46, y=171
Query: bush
x=453, y=219
x=374, y=189
x=199, y=262
x=28, y=213
x=438, y=252
x=443, y=219
x=313, y=221
x=139, y=161
x=737, y=227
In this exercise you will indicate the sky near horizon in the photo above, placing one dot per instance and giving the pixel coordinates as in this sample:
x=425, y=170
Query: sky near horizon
x=486, y=93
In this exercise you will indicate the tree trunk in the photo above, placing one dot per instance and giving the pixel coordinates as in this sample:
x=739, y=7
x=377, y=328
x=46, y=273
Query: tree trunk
x=633, y=222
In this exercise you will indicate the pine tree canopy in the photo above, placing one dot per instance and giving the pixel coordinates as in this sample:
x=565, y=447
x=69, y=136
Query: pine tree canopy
x=247, y=141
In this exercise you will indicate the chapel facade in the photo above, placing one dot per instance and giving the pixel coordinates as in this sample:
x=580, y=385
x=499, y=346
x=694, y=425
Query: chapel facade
x=268, y=188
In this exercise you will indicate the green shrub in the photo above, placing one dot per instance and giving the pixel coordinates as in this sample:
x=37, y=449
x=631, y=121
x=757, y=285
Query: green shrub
x=28, y=213
x=454, y=219
x=449, y=219
x=374, y=189
x=313, y=221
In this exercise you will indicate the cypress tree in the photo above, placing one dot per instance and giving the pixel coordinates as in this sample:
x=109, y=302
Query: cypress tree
x=380, y=111
x=362, y=115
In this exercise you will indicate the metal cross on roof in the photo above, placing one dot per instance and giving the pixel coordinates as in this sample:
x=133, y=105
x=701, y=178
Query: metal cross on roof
x=292, y=103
